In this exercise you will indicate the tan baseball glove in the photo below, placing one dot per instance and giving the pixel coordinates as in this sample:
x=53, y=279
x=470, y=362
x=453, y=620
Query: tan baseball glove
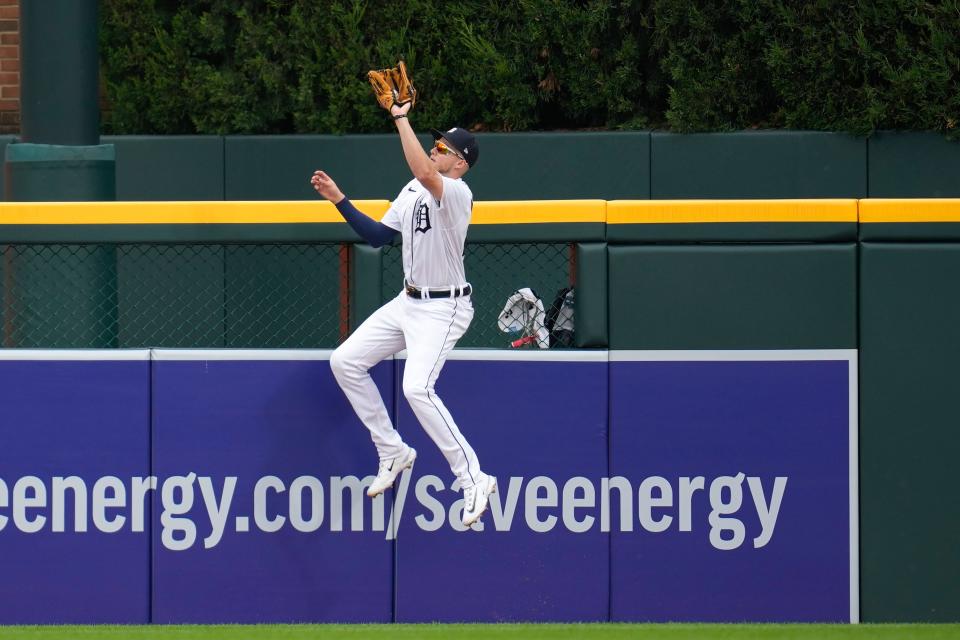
x=393, y=86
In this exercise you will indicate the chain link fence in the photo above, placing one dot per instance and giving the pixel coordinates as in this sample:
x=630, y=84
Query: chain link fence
x=174, y=295
x=247, y=295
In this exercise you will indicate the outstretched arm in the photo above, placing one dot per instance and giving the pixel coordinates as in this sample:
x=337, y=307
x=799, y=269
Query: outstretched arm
x=374, y=232
x=420, y=165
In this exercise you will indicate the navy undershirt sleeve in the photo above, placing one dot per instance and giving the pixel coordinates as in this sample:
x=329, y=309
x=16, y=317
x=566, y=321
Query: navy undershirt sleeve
x=374, y=232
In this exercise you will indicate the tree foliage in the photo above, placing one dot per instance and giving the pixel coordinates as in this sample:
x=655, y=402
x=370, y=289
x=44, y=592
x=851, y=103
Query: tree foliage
x=292, y=66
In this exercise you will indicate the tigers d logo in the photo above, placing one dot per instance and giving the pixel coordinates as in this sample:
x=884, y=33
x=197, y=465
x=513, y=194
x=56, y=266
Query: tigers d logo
x=423, y=218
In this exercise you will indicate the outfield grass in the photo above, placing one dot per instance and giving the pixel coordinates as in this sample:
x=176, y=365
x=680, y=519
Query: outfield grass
x=496, y=631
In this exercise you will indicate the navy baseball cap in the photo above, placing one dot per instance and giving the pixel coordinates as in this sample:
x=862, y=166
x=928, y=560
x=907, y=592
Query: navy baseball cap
x=461, y=140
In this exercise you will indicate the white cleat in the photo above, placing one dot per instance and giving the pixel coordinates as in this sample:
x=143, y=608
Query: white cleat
x=476, y=499
x=389, y=470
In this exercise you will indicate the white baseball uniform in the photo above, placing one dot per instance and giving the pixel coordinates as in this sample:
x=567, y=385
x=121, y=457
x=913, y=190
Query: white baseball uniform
x=433, y=238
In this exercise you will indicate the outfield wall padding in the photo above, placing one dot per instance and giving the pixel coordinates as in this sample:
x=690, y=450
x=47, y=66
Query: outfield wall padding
x=246, y=420
x=890, y=295
x=562, y=166
x=554, y=427
x=236, y=486
x=568, y=165
x=591, y=296
x=757, y=164
x=717, y=441
x=280, y=167
x=154, y=167
x=909, y=401
x=913, y=164
x=733, y=296
x=83, y=416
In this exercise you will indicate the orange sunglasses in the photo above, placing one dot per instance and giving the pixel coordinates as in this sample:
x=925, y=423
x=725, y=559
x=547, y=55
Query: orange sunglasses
x=443, y=150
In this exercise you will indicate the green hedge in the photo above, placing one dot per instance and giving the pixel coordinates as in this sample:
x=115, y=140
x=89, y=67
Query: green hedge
x=297, y=66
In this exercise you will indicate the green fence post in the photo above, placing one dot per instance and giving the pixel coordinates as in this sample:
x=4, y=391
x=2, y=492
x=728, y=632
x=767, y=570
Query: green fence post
x=59, y=66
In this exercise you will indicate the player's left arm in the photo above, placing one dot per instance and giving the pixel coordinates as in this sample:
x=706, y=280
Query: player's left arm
x=375, y=233
x=420, y=165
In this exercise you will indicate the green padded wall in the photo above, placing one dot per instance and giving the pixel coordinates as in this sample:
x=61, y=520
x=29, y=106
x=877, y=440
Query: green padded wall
x=279, y=167
x=520, y=166
x=562, y=166
x=366, y=282
x=913, y=165
x=730, y=232
x=59, y=173
x=733, y=297
x=909, y=440
x=591, y=303
x=169, y=167
x=757, y=164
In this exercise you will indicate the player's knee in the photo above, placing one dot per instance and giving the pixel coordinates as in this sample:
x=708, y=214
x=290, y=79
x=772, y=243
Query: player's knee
x=415, y=391
x=339, y=364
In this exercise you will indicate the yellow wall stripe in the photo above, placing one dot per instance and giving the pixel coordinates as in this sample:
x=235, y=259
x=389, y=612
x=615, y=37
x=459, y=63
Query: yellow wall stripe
x=912, y=210
x=700, y=211
x=214, y=212
x=492, y=212
x=273, y=212
x=538, y=211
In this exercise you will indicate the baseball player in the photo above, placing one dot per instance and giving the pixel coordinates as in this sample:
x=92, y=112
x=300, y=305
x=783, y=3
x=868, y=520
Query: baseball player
x=432, y=213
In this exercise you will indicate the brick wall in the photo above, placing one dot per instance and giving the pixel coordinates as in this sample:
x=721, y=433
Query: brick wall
x=9, y=66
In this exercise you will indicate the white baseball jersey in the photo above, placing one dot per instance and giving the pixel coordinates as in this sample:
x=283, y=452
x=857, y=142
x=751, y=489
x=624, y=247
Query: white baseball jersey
x=433, y=238
x=433, y=232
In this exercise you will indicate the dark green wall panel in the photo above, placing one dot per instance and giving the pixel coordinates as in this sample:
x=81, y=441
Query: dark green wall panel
x=590, y=310
x=732, y=232
x=757, y=164
x=733, y=297
x=366, y=282
x=521, y=166
x=292, y=232
x=558, y=166
x=909, y=231
x=279, y=167
x=909, y=436
x=169, y=167
x=59, y=173
x=537, y=232
x=913, y=165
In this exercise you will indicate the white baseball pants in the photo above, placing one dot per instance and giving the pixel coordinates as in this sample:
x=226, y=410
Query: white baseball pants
x=428, y=329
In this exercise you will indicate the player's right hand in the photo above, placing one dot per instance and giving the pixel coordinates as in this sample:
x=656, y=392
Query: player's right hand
x=401, y=109
x=325, y=186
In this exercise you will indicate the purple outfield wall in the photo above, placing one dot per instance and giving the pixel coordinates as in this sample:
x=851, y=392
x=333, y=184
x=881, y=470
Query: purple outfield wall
x=750, y=507
x=228, y=486
x=82, y=422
